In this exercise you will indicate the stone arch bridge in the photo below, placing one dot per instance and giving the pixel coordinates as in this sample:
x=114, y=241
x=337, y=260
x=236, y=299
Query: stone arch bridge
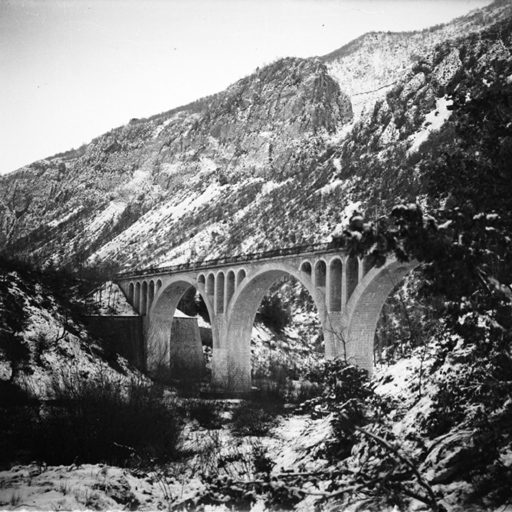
x=348, y=292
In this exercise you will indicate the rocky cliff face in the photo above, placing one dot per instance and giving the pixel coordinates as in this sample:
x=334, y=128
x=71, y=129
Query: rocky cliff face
x=282, y=157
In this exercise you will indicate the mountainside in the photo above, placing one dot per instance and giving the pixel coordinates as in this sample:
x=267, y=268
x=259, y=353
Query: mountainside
x=281, y=158
x=388, y=56
x=43, y=337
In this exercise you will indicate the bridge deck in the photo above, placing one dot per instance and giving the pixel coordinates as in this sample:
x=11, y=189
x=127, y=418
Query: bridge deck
x=240, y=258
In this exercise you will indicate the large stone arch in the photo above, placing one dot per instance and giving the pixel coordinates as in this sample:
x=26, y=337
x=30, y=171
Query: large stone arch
x=241, y=312
x=364, y=307
x=160, y=317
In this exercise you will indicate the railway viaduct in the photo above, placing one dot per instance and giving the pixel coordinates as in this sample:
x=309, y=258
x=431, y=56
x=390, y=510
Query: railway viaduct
x=348, y=292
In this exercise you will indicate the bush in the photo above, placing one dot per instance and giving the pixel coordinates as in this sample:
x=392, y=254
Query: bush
x=252, y=419
x=273, y=313
x=348, y=395
x=16, y=433
x=107, y=420
x=206, y=413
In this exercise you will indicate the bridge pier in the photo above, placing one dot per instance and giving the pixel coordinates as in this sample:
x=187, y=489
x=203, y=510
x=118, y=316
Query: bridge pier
x=220, y=354
x=158, y=332
x=334, y=335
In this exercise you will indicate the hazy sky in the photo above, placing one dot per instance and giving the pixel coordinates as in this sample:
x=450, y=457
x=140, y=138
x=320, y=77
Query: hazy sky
x=71, y=70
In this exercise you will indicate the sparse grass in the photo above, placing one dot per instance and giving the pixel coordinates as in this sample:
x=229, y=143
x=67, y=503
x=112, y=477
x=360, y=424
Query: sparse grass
x=278, y=387
x=208, y=453
x=64, y=487
x=107, y=420
x=15, y=499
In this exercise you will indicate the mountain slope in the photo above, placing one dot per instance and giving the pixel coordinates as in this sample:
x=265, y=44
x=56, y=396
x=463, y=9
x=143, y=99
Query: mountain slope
x=42, y=336
x=372, y=64
x=280, y=158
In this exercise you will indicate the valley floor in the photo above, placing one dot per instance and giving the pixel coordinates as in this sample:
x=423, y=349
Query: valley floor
x=103, y=487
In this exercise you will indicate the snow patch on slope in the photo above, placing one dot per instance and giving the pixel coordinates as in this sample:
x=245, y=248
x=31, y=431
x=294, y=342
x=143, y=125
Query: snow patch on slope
x=110, y=214
x=138, y=179
x=168, y=212
x=433, y=122
x=349, y=210
x=56, y=222
x=330, y=187
x=161, y=127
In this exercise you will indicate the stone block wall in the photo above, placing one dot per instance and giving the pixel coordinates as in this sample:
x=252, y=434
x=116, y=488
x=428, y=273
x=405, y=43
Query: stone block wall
x=121, y=334
x=186, y=352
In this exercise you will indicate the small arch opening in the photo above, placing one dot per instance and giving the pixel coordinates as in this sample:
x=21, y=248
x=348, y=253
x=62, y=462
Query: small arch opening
x=230, y=286
x=320, y=273
x=144, y=298
x=352, y=275
x=192, y=304
x=368, y=264
x=240, y=277
x=335, y=277
x=151, y=293
x=136, y=301
x=307, y=268
x=219, y=299
x=210, y=285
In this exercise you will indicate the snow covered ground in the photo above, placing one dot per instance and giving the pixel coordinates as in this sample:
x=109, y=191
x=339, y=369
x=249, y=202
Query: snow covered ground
x=102, y=487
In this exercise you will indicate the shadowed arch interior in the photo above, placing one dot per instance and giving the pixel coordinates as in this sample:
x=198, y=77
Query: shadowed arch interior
x=210, y=284
x=242, y=314
x=219, y=282
x=320, y=273
x=151, y=293
x=160, y=327
x=306, y=267
x=230, y=286
x=240, y=276
x=136, y=300
x=143, y=298
x=352, y=275
x=364, y=308
x=335, y=285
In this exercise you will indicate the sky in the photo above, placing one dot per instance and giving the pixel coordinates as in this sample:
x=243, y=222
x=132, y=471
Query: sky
x=71, y=70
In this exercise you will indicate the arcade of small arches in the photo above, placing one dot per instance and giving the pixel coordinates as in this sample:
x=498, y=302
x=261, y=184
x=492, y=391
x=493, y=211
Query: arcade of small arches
x=348, y=293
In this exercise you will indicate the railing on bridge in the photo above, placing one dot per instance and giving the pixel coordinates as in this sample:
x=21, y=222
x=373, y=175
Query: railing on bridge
x=240, y=258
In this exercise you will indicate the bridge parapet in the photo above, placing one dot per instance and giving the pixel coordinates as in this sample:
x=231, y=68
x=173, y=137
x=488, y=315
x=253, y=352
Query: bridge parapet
x=223, y=261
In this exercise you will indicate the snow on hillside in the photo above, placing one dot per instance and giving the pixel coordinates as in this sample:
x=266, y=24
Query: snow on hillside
x=109, y=299
x=110, y=214
x=54, y=342
x=85, y=487
x=433, y=122
x=368, y=67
